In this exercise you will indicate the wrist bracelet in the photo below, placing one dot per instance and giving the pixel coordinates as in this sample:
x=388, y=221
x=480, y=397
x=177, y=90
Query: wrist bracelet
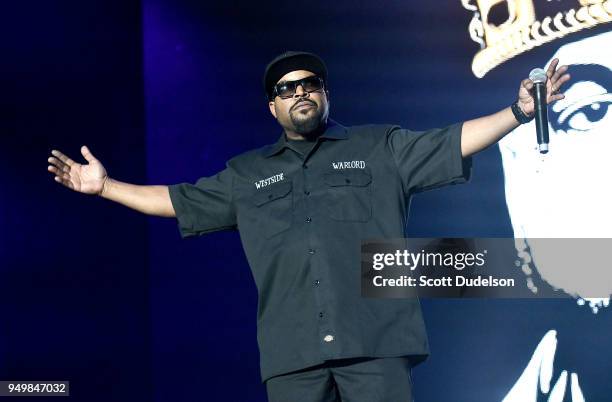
x=519, y=115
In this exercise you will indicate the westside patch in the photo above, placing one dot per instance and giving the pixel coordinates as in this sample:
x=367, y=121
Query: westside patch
x=270, y=180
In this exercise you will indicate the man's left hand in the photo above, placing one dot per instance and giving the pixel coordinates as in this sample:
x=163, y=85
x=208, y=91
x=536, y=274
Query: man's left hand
x=556, y=78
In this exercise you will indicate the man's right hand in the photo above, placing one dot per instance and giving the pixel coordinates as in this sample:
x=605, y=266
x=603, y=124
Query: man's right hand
x=93, y=179
x=88, y=179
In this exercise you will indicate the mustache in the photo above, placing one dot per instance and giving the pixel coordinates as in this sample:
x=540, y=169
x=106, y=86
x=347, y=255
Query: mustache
x=298, y=103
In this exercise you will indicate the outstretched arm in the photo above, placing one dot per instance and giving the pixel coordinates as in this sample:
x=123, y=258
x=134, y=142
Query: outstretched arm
x=482, y=132
x=92, y=178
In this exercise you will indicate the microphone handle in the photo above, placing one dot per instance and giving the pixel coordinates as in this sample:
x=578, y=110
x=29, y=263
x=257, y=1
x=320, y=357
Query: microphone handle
x=541, y=116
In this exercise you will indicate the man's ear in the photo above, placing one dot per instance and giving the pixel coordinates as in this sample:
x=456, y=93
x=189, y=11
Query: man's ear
x=272, y=108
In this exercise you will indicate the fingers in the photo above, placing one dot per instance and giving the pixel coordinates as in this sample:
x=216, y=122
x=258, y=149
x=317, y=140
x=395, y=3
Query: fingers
x=558, y=392
x=555, y=97
x=577, y=395
x=556, y=84
x=65, y=182
x=555, y=76
x=87, y=154
x=62, y=157
x=555, y=87
x=551, y=68
x=527, y=84
x=61, y=177
x=59, y=174
x=57, y=171
x=548, y=349
x=61, y=166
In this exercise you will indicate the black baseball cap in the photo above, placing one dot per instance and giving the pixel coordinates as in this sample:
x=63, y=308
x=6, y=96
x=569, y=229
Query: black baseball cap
x=291, y=61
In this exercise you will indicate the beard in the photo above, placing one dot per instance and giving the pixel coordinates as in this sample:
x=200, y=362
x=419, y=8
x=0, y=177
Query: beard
x=308, y=122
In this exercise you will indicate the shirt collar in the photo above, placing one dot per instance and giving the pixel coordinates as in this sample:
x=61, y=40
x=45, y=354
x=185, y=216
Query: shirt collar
x=334, y=131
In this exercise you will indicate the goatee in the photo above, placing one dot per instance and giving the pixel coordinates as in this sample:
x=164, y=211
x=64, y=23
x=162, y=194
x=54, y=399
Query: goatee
x=306, y=125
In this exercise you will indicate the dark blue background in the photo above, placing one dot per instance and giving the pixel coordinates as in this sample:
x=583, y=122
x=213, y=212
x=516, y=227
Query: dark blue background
x=74, y=274
x=164, y=92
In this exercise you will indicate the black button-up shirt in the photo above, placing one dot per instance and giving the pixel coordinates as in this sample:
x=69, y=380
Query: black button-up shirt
x=301, y=219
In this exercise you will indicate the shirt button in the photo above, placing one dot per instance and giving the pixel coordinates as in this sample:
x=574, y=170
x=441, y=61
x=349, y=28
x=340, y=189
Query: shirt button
x=328, y=338
x=306, y=192
x=311, y=251
x=316, y=282
x=321, y=314
x=309, y=219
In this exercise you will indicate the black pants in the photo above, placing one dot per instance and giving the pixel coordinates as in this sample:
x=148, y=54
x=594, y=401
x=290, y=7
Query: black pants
x=346, y=380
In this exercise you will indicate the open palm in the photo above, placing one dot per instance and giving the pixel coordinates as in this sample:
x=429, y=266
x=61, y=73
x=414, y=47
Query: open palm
x=88, y=179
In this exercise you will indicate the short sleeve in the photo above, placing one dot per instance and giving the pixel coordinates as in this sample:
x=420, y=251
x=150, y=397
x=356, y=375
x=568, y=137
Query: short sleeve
x=205, y=206
x=429, y=159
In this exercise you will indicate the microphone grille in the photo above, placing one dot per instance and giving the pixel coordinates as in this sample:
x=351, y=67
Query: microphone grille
x=537, y=75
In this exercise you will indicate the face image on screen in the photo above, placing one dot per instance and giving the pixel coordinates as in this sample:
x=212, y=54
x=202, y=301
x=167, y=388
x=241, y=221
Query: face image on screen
x=567, y=193
x=564, y=195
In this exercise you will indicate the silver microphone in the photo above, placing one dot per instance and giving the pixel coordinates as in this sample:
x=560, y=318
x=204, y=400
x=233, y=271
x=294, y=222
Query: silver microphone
x=538, y=76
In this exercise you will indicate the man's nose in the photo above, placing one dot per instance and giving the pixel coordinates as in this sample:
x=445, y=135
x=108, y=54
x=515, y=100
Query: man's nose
x=299, y=92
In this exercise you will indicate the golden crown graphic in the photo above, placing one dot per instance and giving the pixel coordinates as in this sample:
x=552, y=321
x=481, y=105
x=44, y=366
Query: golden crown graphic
x=522, y=31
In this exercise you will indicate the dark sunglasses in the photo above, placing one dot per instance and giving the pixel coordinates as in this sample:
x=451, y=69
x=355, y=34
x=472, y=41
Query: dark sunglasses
x=286, y=90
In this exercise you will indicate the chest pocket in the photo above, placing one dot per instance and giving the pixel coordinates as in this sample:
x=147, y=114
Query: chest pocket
x=274, y=206
x=350, y=195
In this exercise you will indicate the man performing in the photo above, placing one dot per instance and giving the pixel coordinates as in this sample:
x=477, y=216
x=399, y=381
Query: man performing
x=302, y=206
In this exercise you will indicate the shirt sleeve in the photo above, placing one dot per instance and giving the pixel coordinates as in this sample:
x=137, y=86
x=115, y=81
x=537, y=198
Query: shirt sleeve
x=429, y=159
x=205, y=206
